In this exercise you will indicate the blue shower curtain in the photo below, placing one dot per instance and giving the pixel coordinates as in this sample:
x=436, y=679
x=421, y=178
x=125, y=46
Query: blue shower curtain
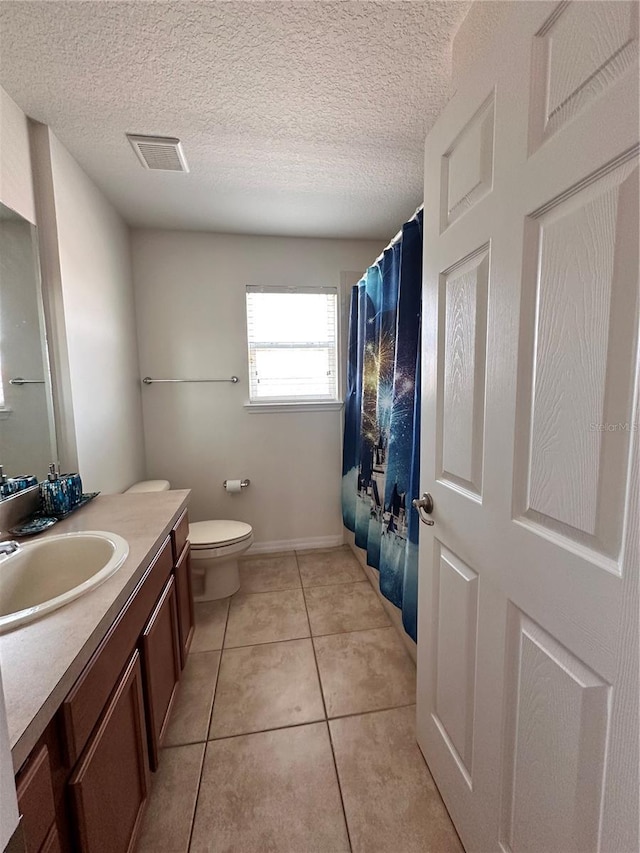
x=380, y=468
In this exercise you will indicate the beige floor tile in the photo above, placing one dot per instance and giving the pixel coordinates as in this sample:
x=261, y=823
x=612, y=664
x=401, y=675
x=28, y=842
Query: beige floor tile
x=329, y=566
x=266, y=617
x=389, y=796
x=364, y=671
x=167, y=821
x=272, y=791
x=266, y=687
x=211, y=618
x=192, y=707
x=345, y=607
x=269, y=572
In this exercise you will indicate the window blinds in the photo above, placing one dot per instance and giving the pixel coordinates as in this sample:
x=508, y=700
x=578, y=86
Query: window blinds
x=292, y=334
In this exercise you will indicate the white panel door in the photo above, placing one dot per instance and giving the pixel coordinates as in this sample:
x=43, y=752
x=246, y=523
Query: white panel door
x=528, y=597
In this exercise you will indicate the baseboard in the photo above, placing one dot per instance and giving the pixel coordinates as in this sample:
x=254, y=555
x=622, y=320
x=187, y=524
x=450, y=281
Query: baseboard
x=394, y=613
x=296, y=544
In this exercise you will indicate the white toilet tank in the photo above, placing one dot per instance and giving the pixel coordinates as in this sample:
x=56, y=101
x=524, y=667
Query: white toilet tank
x=149, y=486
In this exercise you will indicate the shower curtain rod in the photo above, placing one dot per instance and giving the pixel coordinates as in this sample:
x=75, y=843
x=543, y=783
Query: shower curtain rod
x=398, y=236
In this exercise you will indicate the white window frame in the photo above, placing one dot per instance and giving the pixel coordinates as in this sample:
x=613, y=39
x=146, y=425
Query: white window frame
x=298, y=404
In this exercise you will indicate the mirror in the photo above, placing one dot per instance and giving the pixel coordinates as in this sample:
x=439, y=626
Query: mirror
x=27, y=434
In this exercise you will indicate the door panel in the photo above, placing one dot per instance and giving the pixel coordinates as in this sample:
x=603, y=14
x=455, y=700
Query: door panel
x=467, y=165
x=560, y=708
x=528, y=593
x=463, y=324
x=454, y=648
x=578, y=257
x=566, y=74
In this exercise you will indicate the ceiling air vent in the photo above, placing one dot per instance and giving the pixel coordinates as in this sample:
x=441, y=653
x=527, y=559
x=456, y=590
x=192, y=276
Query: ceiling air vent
x=159, y=152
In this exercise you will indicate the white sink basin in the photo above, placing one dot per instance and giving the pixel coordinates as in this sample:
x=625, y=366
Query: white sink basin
x=47, y=574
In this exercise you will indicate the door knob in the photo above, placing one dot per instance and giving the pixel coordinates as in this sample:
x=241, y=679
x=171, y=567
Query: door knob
x=424, y=505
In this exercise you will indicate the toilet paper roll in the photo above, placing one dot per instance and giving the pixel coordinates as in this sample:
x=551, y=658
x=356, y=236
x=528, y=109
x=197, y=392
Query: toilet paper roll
x=233, y=486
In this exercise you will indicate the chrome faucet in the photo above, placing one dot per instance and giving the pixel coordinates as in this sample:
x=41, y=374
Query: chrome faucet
x=8, y=547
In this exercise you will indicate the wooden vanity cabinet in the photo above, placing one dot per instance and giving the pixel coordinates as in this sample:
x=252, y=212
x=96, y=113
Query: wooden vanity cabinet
x=84, y=786
x=109, y=786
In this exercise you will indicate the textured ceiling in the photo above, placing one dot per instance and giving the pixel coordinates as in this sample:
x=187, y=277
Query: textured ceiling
x=298, y=118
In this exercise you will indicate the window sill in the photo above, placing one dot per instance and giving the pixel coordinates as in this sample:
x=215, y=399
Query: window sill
x=303, y=406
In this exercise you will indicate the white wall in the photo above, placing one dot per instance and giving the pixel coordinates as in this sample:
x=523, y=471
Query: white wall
x=88, y=264
x=190, y=298
x=16, y=183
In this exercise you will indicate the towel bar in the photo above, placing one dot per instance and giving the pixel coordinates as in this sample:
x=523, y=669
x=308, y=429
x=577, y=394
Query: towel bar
x=20, y=381
x=148, y=380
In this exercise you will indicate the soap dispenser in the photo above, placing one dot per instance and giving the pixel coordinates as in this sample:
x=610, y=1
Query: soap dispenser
x=60, y=493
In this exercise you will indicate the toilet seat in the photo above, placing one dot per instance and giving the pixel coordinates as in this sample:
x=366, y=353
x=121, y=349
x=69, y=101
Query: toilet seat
x=209, y=535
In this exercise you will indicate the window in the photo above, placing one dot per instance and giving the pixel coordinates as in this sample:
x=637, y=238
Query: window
x=293, y=343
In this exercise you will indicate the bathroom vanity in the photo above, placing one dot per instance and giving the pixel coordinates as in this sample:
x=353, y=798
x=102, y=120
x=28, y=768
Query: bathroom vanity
x=89, y=688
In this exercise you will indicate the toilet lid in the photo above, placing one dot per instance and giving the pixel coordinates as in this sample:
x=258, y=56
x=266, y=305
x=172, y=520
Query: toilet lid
x=150, y=486
x=203, y=534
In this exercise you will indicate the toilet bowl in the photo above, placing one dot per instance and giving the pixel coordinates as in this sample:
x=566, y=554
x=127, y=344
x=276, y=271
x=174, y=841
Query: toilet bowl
x=215, y=548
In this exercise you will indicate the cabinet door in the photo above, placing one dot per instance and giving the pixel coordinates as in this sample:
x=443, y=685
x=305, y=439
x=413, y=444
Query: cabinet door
x=110, y=784
x=35, y=799
x=161, y=667
x=52, y=842
x=184, y=595
x=179, y=535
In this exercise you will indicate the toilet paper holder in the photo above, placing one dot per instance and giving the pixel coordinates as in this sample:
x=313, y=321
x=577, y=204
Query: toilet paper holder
x=243, y=484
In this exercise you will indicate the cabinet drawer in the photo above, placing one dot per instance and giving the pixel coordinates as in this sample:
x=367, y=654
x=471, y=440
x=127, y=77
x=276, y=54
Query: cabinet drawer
x=179, y=536
x=110, y=785
x=83, y=706
x=160, y=667
x=184, y=595
x=35, y=800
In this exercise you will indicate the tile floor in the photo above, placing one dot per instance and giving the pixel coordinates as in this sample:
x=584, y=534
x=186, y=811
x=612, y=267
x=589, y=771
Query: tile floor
x=293, y=729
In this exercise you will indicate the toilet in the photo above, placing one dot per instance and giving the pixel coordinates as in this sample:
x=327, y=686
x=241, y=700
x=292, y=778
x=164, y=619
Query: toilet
x=215, y=548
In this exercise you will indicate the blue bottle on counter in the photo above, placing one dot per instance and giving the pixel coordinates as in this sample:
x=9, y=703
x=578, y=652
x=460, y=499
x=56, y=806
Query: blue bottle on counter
x=60, y=493
x=12, y=485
